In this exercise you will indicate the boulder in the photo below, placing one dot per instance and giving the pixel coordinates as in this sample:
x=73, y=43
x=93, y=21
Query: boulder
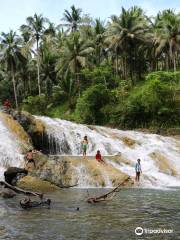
x=36, y=184
x=12, y=174
x=65, y=171
x=7, y=193
x=37, y=131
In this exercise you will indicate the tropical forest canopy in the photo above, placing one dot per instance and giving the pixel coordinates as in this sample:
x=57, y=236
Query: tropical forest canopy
x=122, y=72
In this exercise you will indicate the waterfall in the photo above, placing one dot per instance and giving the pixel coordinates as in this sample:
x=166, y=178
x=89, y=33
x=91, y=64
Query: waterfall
x=159, y=154
x=9, y=150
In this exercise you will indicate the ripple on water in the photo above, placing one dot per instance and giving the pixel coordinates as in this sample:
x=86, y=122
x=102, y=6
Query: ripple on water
x=111, y=220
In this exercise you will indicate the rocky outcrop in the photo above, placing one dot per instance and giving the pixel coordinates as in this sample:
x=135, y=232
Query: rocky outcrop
x=65, y=171
x=35, y=184
x=129, y=141
x=163, y=164
x=35, y=128
x=37, y=131
x=12, y=174
x=19, y=132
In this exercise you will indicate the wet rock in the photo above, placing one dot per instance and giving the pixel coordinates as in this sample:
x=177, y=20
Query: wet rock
x=12, y=174
x=20, y=133
x=163, y=163
x=36, y=129
x=69, y=170
x=7, y=193
x=36, y=184
x=2, y=231
x=129, y=141
x=59, y=172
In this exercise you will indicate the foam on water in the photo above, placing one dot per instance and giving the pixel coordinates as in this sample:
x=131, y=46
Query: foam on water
x=9, y=150
x=109, y=142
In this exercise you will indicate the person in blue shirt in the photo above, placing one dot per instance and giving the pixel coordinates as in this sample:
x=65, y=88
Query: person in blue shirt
x=138, y=170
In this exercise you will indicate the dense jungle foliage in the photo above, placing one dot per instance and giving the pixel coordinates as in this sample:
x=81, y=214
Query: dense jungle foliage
x=122, y=72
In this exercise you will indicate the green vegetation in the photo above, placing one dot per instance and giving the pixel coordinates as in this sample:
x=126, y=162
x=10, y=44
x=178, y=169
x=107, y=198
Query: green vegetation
x=90, y=107
x=154, y=103
x=124, y=72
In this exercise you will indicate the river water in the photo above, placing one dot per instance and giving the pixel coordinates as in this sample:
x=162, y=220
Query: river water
x=111, y=220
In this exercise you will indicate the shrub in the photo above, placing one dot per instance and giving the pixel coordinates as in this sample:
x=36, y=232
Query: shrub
x=35, y=104
x=169, y=77
x=150, y=104
x=99, y=75
x=6, y=91
x=90, y=107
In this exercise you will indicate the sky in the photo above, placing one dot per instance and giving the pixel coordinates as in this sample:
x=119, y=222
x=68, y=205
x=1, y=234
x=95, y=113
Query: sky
x=14, y=12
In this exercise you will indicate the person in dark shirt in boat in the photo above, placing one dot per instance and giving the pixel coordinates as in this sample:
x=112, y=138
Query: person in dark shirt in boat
x=99, y=157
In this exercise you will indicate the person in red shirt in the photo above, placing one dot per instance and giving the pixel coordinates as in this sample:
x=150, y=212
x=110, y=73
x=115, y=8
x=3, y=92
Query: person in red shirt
x=99, y=157
x=6, y=105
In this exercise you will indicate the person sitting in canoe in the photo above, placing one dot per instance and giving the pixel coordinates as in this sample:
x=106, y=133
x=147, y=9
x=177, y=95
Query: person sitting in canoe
x=84, y=146
x=99, y=157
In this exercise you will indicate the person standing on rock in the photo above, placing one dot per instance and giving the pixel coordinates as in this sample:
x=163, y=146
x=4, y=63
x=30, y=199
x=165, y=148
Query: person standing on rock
x=84, y=146
x=138, y=170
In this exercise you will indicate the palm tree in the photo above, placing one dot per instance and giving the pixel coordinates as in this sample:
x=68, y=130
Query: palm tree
x=69, y=89
x=11, y=55
x=124, y=32
x=35, y=26
x=74, y=54
x=99, y=37
x=50, y=30
x=48, y=60
x=72, y=19
x=167, y=35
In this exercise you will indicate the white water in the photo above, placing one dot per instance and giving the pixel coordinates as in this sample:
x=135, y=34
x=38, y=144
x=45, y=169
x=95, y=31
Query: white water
x=9, y=150
x=68, y=138
x=69, y=135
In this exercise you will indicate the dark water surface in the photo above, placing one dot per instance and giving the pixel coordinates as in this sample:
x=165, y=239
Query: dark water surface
x=111, y=220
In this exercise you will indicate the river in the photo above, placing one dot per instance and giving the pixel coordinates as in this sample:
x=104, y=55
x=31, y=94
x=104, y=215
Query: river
x=154, y=206
x=112, y=220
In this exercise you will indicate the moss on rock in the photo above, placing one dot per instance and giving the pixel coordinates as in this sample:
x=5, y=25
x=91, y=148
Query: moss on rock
x=36, y=184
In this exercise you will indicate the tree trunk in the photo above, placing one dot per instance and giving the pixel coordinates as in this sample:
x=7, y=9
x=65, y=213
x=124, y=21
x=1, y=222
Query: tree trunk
x=78, y=83
x=38, y=72
x=174, y=62
x=14, y=87
x=29, y=83
x=77, y=71
x=19, y=190
x=99, y=55
x=116, y=62
x=131, y=68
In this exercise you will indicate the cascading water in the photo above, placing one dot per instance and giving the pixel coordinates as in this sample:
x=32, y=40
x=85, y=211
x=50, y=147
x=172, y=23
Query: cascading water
x=159, y=155
x=9, y=150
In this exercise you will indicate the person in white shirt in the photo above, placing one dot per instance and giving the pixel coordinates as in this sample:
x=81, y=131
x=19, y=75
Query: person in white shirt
x=138, y=170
